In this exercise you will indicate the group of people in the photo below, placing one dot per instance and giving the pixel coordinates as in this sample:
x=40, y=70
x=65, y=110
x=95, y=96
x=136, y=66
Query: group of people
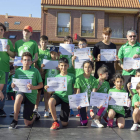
x=81, y=80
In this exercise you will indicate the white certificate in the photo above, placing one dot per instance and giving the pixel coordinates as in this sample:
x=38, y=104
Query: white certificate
x=50, y=64
x=3, y=45
x=80, y=99
x=129, y=63
x=66, y=49
x=57, y=84
x=21, y=85
x=108, y=54
x=97, y=99
x=17, y=61
x=118, y=98
x=82, y=53
x=134, y=82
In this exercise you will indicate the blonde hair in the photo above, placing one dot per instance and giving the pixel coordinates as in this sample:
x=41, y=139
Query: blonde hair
x=138, y=86
x=107, y=30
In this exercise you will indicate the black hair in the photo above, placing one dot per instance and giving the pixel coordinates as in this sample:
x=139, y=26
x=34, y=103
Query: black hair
x=102, y=70
x=82, y=40
x=89, y=62
x=26, y=54
x=117, y=75
x=44, y=37
x=3, y=26
x=11, y=67
x=137, y=71
x=66, y=38
x=63, y=60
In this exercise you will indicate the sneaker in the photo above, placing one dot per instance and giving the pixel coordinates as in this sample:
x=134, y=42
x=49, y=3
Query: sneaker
x=110, y=123
x=37, y=115
x=55, y=126
x=71, y=113
x=96, y=123
x=12, y=114
x=78, y=116
x=46, y=114
x=134, y=127
x=13, y=125
x=2, y=113
x=105, y=120
x=35, y=110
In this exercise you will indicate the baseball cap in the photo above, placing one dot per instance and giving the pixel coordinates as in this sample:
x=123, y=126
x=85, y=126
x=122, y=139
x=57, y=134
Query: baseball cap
x=53, y=49
x=29, y=28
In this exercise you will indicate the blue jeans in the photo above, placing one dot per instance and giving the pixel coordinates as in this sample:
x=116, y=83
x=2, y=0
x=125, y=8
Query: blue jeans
x=2, y=103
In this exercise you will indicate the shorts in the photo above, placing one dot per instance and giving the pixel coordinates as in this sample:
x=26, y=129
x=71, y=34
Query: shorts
x=28, y=107
x=118, y=115
x=42, y=89
x=65, y=110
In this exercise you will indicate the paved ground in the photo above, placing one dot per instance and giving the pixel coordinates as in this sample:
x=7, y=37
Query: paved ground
x=40, y=129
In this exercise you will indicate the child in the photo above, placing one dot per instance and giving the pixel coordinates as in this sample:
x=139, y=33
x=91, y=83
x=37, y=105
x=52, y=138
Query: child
x=28, y=99
x=44, y=53
x=50, y=73
x=85, y=83
x=136, y=112
x=101, y=86
x=114, y=110
x=61, y=97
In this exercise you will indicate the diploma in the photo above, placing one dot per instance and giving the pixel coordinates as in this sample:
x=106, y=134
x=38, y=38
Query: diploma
x=98, y=99
x=57, y=84
x=80, y=99
x=134, y=82
x=118, y=98
x=3, y=45
x=82, y=53
x=50, y=64
x=17, y=61
x=108, y=54
x=21, y=85
x=66, y=49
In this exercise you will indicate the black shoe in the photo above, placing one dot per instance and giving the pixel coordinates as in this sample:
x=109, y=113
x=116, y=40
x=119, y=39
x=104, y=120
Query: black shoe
x=13, y=125
x=2, y=113
x=37, y=115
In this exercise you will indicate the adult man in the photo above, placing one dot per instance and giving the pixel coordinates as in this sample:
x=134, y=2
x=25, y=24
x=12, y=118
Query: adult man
x=130, y=49
x=4, y=65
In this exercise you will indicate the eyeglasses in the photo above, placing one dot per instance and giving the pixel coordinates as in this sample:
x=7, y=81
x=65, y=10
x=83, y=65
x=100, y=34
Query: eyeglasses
x=132, y=36
x=28, y=60
x=82, y=44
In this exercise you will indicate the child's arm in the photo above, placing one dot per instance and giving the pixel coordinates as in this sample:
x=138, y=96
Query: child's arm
x=136, y=104
x=1, y=94
x=73, y=59
x=31, y=87
x=77, y=91
x=96, y=89
x=129, y=88
x=42, y=70
x=46, y=87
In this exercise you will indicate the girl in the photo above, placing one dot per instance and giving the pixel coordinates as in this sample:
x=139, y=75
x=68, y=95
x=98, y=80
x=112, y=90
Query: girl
x=136, y=112
x=85, y=83
x=114, y=110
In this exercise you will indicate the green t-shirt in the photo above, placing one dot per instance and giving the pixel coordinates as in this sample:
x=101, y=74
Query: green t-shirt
x=71, y=68
x=4, y=58
x=29, y=46
x=43, y=54
x=104, y=87
x=84, y=84
x=33, y=74
x=136, y=98
x=2, y=77
x=116, y=108
x=127, y=50
x=78, y=72
x=70, y=82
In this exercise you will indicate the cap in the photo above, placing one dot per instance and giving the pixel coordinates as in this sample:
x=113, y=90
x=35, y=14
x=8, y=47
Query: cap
x=53, y=49
x=29, y=28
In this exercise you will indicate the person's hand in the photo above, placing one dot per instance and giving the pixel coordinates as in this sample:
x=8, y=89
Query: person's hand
x=117, y=58
x=12, y=85
x=46, y=87
x=98, y=57
x=128, y=70
x=8, y=48
x=109, y=98
x=42, y=65
x=79, y=107
x=136, y=56
x=129, y=85
x=73, y=58
x=1, y=96
x=30, y=87
x=100, y=106
x=90, y=57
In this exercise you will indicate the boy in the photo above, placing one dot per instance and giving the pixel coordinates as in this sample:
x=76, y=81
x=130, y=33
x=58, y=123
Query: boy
x=101, y=86
x=44, y=53
x=4, y=65
x=61, y=97
x=29, y=99
x=26, y=44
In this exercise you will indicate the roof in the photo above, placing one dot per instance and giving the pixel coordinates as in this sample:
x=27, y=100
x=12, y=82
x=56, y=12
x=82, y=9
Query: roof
x=34, y=22
x=94, y=3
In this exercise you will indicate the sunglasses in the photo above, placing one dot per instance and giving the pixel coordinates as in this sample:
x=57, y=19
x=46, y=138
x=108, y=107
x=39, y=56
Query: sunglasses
x=132, y=36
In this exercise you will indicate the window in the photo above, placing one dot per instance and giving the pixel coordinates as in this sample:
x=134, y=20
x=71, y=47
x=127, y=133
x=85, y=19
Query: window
x=17, y=23
x=116, y=24
x=63, y=24
x=87, y=28
x=12, y=36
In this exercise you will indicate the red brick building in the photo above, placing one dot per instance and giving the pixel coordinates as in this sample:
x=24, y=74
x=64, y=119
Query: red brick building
x=87, y=18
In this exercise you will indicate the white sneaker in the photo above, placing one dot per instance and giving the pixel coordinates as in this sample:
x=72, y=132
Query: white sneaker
x=46, y=114
x=35, y=110
x=134, y=127
x=96, y=123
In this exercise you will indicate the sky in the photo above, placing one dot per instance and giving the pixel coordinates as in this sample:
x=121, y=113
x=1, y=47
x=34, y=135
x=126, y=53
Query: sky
x=21, y=7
